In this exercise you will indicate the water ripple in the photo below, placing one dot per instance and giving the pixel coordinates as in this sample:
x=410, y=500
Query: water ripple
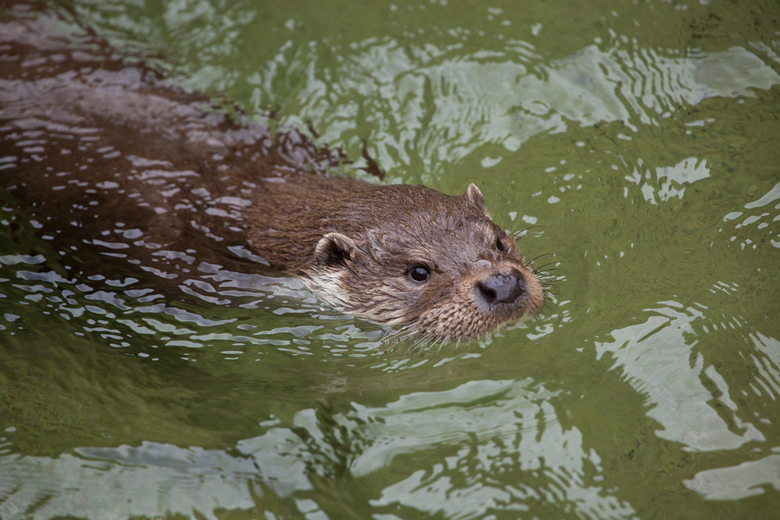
x=501, y=101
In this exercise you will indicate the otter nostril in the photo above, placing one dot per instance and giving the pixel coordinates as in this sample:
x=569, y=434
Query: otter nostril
x=502, y=288
x=487, y=293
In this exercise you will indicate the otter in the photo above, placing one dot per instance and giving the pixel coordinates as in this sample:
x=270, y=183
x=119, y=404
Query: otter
x=433, y=264
x=93, y=145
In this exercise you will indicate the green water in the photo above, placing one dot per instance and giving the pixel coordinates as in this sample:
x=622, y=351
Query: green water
x=639, y=143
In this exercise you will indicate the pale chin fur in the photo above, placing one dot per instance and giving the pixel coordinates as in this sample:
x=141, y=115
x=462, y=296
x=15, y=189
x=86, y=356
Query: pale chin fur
x=328, y=287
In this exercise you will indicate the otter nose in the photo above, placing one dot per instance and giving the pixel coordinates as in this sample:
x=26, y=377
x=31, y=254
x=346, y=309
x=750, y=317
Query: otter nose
x=502, y=288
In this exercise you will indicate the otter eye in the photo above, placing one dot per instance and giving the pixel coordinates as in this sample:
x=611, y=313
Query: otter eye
x=500, y=244
x=419, y=274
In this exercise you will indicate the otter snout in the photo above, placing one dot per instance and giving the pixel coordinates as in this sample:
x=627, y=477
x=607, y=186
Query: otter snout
x=502, y=288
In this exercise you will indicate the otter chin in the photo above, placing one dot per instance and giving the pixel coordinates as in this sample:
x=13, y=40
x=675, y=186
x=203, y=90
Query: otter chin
x=433, y=265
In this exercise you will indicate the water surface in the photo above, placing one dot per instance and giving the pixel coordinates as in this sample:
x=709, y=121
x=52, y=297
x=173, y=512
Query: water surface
x=636, y=142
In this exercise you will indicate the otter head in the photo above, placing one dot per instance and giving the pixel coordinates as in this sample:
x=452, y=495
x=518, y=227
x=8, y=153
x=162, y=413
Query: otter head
x=434, y=265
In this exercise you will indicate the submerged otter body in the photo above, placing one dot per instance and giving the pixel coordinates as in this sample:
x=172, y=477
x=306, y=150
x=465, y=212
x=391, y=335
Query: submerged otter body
x=92, y=147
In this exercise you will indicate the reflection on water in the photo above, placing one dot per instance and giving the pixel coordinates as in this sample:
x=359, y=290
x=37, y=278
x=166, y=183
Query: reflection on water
x=686, y=172
x=637, y=141
x=589, y=87
x=656, y=360
x=513, y=418
x=738, y=482
x=115, y=313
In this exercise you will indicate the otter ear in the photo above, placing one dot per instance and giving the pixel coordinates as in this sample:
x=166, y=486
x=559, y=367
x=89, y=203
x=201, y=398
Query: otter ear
x=474, y=196
x=334, y=250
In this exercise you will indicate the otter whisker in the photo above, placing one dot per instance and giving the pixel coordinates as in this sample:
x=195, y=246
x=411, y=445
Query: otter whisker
x=534, y=259
x=544, y=266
